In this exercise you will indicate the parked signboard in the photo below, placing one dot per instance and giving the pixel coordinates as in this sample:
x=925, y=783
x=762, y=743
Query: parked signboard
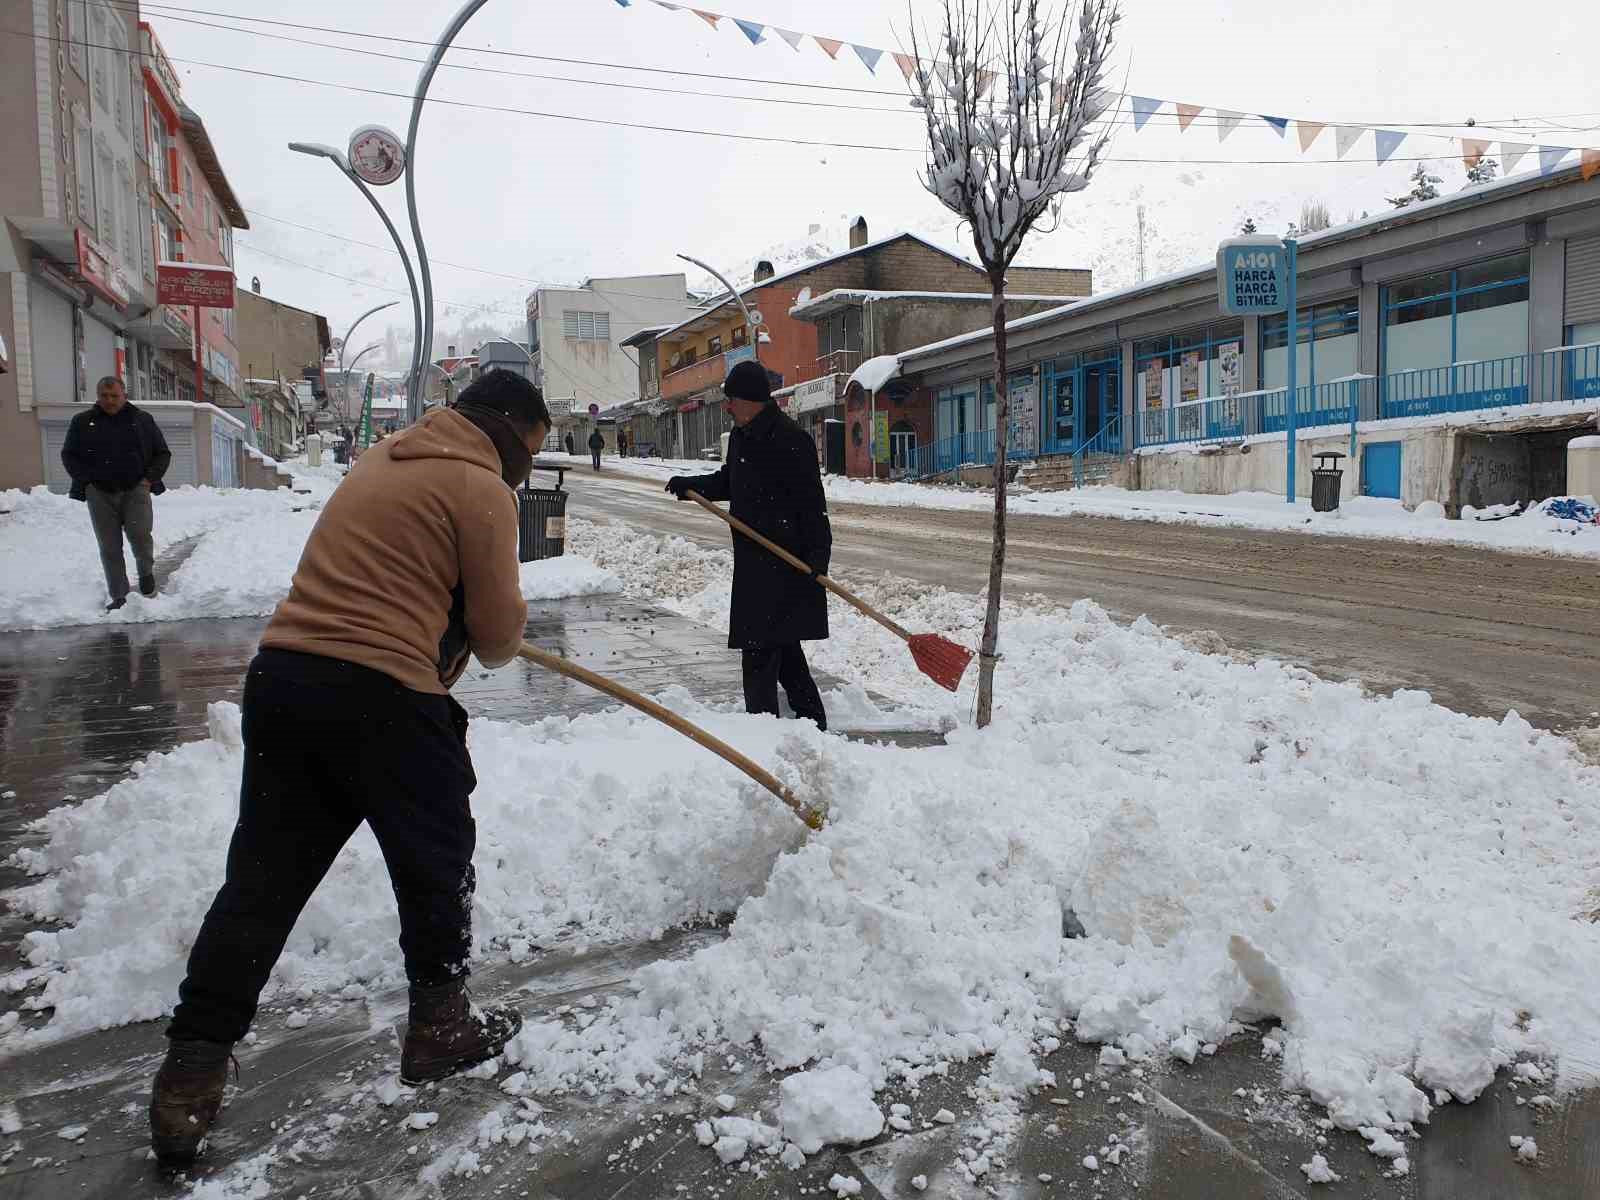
x=194, y=283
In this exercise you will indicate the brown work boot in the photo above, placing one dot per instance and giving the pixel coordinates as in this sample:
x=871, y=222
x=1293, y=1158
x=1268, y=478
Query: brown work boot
x=186, y=1099
x=448, y=1033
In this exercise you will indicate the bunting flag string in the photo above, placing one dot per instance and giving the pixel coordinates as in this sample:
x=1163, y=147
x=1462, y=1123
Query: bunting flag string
x=1145, y=108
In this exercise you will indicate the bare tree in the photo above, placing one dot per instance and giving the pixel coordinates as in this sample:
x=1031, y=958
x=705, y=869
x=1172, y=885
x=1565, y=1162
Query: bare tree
x=1314, y=216
x=1003, y=163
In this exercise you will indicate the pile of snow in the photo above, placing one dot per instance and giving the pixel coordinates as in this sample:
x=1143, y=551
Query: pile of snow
x=247, y=545
x=832, y=1107
x=1404, y=887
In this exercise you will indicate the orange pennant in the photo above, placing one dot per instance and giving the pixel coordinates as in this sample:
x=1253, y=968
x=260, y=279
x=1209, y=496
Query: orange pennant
x=907, y=65
x=828, y=44
x=710, y=19
x=1308, y=131
x=1472, y=151
x=1186, y=115
x=1591, y=163
x=985, y=82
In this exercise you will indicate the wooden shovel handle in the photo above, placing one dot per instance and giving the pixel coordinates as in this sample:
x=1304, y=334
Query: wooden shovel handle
x=801, y=565
x=633, y=699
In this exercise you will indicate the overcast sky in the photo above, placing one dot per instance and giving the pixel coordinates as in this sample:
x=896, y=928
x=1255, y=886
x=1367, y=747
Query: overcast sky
x=544, y=200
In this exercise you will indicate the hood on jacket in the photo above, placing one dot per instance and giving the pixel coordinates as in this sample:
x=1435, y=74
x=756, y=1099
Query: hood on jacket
x=444, y=433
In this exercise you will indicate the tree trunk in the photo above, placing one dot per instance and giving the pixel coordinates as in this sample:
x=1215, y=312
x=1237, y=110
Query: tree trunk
x=997, y=556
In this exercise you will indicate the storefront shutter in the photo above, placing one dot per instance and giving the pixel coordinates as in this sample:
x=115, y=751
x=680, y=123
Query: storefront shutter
x=1583, y=280
x=55, y=475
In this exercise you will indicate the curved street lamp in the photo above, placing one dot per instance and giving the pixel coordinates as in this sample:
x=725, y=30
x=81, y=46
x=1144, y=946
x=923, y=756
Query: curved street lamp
x=338, y=159
x=345, y=374
x=344, y=342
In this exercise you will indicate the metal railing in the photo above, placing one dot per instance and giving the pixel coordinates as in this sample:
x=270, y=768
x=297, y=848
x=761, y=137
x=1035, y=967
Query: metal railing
x=839, y=362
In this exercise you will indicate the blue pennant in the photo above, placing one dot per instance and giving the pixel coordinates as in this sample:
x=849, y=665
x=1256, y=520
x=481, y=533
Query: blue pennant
x=1388, y=141
x=752, y=30
x=1143, y=109
x=868, y=56
x=1279, y=124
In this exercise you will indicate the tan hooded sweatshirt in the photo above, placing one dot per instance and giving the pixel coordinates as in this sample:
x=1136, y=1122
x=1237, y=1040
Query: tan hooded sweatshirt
x=423, y=524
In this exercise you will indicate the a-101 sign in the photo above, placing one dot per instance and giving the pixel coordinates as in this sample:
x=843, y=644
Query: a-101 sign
x=1253, y=276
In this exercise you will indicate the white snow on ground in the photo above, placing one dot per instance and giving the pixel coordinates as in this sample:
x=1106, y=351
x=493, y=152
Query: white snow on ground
x=1359, y=517
x=249, y=543
x=1406, y=888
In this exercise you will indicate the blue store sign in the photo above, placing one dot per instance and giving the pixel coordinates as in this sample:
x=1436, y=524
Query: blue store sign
x=1253, y=276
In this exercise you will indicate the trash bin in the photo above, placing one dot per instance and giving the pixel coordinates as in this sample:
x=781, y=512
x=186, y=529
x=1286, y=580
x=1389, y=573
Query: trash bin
x=541, y=523
x=1325, y=480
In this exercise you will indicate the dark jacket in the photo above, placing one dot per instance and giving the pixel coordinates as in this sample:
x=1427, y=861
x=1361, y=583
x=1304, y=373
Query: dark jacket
x=773, y=485
x=114, y=453
x=597, y=441
x=572, y=446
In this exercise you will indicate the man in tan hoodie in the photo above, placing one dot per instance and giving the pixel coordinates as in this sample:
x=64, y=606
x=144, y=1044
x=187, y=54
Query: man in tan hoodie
x=347, y=717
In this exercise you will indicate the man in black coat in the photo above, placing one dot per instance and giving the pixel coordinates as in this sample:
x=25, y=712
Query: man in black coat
x=597, y=443
x=116, y=456
x=774, y=486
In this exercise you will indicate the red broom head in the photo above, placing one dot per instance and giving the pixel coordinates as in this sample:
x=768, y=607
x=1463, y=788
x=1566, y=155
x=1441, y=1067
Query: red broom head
x=940, y=659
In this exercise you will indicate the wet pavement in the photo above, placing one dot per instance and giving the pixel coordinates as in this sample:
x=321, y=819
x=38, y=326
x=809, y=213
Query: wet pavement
x=79, y=707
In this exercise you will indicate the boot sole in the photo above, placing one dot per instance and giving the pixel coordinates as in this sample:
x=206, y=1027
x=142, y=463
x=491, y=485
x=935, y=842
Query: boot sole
x=443, y=1068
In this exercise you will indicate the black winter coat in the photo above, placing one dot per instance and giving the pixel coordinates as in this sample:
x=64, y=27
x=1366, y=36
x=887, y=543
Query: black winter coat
x=114, y=453
x=774, y=486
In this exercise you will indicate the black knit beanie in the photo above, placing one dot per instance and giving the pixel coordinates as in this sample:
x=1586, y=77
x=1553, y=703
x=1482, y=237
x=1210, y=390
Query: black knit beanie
x=748, y=381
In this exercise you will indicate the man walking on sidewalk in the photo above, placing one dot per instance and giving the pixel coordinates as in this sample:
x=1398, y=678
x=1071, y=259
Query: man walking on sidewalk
x=116, y=456
x=772, y=480
x=597, y=443
x=348, y=717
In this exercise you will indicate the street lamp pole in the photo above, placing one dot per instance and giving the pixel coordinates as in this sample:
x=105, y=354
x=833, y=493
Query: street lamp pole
x=345, y=341
x=338, y=159
x=424, y=81
x=344, y=374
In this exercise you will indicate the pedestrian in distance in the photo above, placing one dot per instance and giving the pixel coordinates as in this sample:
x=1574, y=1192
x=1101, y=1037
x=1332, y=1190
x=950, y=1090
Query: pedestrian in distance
x=596, y=444
x=347, y=717
x=773, y=485
x=572, y=444
x=622, y=443
x=116, y=456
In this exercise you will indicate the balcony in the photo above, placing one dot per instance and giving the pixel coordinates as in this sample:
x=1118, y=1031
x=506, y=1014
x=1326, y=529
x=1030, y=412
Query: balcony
x=697, y=376
x=839, y=362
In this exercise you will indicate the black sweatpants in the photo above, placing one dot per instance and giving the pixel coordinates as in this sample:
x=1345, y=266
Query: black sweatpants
x=327, y=745
x=768, y=666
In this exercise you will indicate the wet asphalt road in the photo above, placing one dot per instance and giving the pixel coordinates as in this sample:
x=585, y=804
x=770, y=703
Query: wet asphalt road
x=1483, y=632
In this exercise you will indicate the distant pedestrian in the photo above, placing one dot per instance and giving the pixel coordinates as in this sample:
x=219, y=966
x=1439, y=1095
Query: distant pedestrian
x=622, y=443
x=572, y=445
x=347, y=717
x=771, y=478
x=116, y=456
x=596, y=444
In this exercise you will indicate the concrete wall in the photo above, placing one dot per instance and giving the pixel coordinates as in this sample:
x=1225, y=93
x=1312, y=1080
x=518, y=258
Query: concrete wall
x=275, y=339
x=1051, y=281
x=1494, y=470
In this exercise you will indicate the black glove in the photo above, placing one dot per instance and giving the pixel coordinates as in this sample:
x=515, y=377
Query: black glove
x=818, y=564
x=679, y=486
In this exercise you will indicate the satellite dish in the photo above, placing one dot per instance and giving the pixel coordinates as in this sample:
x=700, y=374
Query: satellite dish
x=755, y=318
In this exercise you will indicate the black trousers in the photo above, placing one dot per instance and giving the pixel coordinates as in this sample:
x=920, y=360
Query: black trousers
x=595, y=454
x=327, y=745
x=768, y=666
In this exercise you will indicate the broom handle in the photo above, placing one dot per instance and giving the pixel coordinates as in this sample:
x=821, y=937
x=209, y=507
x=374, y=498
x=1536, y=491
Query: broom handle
x=721, y=749
x=800, y=565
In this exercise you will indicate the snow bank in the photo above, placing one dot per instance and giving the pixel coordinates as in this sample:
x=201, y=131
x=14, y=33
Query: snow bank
x=1404, y=887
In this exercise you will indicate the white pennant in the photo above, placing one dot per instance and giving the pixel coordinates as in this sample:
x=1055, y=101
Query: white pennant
x=791, y=37
x=1345, y=136
x=1511, y=154
x=1227, y=122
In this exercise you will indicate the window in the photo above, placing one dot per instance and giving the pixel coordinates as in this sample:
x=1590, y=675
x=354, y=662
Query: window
x=188, y=185
x=714, y=346
x=1472, y=314
x=225, y=240
x=1184, y=366
x=586, y=326
x=1327, y=350
x=739, y=336
x=166, y=243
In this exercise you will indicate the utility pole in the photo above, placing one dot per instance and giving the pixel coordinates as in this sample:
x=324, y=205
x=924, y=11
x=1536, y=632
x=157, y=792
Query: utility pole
x=1141, y=244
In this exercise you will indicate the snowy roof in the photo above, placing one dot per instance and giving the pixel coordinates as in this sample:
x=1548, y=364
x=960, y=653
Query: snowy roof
x=1423, y=210
x=642, y=335
x=724, y=298
x=816, y=306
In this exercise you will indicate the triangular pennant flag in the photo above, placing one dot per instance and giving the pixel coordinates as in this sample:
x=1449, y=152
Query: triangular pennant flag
x=752, y=30
x=1511, y=153
x=907, y=65
x=1388, y=142
x=1309, y=131
x=669, y=6
x=710, y=19
x=868, y=56
x=1186, y=115
x=1058, y=97
x=985, y=82
x=1591, y=163
x=1227, y=122
x=942, y=70
x=1143, y=109
x=828, y=44
x=1280, y=125
x=1551, y=156
x=794, y=39
x=624, y=3
x=1345, y=136
x=1472, y=151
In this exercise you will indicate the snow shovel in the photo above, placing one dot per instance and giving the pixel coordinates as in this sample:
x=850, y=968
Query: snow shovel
x=571, y=670
x=940, y=659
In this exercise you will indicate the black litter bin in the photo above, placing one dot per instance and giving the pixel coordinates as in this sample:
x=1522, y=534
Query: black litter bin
x=1325, y=480
x=541, y=523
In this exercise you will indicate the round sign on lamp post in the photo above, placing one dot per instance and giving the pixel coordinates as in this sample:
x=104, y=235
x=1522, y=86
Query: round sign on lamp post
x=377, y=155
x=594, y=410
